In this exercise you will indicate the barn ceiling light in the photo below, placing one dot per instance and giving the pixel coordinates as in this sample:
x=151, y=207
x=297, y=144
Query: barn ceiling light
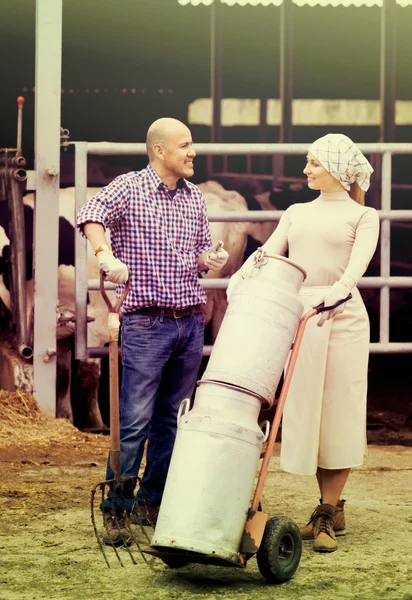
x=297, y=2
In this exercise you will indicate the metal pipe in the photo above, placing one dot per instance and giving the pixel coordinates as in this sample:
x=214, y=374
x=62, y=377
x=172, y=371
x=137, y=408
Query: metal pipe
x=20, y=102
x=18, y=272
x=80, y=249
x=25, y=351
x=217, y=104
x=259, y=216
x=221, y=284
x=287, y=179
x=212, y=87
x=391, y=348
x=15, y=161
x=388, y=71
x=385, y=248
x=16, y=174
x=374, y=348
x=215, y=76
x=135, y=149
x=263, y=131
x=286, y=71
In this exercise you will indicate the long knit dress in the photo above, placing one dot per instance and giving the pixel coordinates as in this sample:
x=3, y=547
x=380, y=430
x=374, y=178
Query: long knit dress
x=324, y=423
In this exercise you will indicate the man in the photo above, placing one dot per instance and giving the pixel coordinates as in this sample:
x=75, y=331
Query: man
x=160, y=239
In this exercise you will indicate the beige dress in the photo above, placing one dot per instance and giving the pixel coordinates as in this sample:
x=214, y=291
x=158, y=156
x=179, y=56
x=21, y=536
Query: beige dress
x=324, y=423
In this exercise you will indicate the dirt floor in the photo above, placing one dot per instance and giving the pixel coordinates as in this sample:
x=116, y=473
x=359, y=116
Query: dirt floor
x=48, y=549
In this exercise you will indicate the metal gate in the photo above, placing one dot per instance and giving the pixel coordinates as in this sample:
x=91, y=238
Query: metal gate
x=384, y=282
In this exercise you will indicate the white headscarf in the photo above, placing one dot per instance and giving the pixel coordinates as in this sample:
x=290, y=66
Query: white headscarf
x=343, y=160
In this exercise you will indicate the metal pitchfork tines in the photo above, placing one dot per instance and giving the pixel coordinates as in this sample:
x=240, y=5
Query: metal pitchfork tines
x=114, y=455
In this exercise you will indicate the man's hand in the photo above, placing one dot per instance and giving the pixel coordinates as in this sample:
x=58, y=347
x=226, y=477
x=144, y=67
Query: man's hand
x=216, y=259
x=338, y=292
x=115, y=270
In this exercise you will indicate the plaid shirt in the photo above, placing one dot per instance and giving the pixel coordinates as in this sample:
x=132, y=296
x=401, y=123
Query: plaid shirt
x=158, y=238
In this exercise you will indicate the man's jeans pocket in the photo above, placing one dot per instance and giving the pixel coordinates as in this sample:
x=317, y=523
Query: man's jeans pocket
x=139, y=322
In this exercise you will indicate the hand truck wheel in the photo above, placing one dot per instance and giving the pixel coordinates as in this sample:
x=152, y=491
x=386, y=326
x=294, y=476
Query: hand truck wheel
x=280, y=551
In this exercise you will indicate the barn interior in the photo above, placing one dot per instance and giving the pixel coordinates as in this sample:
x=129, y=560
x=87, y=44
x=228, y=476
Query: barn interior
x=256, y=81
x=259, y=73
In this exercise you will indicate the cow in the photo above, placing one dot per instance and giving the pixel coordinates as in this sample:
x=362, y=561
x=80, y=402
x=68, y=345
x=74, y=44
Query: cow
x=89, y=369
x=234, y=236
x=100, y=171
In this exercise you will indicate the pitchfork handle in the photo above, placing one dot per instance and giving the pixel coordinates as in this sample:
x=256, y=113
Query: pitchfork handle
x=114, y=455
x=106, y=298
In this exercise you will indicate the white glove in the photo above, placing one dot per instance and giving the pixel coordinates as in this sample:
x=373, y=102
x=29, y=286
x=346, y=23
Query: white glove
x=115, y=270
x=216, y=260
x=338, y=292
x=233, y=281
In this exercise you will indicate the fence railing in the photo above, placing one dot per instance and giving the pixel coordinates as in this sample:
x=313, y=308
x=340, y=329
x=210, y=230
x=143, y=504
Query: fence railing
x=384, y=282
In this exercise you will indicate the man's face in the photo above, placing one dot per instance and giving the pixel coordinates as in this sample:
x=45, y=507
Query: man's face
x=179, y=153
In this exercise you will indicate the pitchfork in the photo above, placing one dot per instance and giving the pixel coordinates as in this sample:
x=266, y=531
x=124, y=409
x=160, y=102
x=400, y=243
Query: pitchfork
x=114, y=454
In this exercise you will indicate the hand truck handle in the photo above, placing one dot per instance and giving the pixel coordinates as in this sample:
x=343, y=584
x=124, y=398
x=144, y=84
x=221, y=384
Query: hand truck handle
x=322, y=308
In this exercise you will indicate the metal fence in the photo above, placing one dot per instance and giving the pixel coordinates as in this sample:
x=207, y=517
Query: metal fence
x=384, y=282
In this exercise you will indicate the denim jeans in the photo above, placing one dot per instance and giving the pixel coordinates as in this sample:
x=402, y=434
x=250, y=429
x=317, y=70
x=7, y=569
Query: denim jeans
x=161, y=358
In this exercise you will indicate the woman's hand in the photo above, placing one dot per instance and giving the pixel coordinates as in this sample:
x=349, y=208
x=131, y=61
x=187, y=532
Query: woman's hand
x=338, y=292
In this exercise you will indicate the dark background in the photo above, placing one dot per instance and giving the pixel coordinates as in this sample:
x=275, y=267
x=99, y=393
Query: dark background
x=127, y=63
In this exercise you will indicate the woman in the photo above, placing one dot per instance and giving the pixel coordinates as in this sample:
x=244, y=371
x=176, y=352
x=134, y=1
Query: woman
x=333, y=238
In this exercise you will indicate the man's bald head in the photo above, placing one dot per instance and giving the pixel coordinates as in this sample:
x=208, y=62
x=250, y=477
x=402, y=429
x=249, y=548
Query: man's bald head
x=162, y=132
x=170, y=149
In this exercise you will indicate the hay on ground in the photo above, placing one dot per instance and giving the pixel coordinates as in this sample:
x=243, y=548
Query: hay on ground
x=22, y=423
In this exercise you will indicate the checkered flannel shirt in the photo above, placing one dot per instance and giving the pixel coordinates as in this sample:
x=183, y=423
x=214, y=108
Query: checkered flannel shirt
x=158, y=238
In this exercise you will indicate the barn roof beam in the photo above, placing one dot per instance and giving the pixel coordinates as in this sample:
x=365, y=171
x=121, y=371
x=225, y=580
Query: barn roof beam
x=323, y=3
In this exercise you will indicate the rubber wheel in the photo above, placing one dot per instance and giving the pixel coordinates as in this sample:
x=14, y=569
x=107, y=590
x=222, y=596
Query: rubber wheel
x=280, y=551
x=174, y=563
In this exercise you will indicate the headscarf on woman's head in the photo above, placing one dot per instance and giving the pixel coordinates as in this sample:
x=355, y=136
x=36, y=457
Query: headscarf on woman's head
x=343, y=160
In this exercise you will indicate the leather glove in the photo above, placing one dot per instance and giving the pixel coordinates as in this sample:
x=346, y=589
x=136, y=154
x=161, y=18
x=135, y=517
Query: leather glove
x=338, y=292
x=115, y=270
x=233, y=281
x=216, y=260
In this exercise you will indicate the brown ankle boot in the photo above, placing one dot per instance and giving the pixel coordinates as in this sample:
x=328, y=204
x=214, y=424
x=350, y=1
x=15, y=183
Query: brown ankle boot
x=339, y=523
x=323, y=534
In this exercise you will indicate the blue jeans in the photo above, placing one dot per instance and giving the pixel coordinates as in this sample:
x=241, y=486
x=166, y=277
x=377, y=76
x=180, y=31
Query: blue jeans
x=161, y=358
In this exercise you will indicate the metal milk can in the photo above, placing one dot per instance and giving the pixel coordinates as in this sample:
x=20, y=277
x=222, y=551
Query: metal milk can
x=259, y=326
x=212, y=472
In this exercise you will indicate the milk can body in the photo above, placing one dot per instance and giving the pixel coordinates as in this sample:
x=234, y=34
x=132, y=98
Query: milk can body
x=211, y=474
x=259, y=326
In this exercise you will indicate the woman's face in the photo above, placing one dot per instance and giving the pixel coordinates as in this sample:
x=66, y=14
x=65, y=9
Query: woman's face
x=319, y=178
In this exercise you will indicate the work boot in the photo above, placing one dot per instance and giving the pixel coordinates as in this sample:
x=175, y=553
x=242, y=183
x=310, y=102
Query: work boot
x=323, y=534
x=145, y=515
x=117, y=534
x=339, y=522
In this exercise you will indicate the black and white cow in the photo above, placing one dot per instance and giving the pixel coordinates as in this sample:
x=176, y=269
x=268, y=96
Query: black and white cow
x=88, y=371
